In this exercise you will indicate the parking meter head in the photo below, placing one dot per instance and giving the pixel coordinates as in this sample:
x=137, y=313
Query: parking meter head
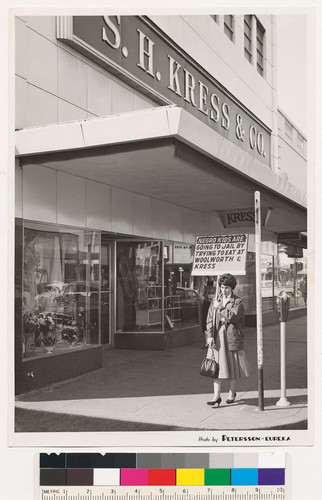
x=283, y=305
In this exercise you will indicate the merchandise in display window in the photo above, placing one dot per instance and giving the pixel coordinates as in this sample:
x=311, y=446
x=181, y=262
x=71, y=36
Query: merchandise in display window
x=154, y=287
x=139, y=286
x=61, y=289
x=184, y=295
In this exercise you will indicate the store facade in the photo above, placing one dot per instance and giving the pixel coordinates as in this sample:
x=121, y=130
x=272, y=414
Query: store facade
x=108, y=207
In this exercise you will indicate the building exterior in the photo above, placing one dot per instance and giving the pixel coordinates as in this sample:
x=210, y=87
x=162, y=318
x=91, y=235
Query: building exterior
x=292, y=147
x=135, y=134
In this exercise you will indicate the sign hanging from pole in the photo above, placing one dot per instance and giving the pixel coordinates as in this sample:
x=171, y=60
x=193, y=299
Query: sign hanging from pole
x=220, y=254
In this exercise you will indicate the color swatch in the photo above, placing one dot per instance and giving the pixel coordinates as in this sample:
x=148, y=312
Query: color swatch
x=193, y=469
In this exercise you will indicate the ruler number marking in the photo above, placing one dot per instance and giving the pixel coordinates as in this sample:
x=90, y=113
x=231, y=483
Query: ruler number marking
x=206, y=493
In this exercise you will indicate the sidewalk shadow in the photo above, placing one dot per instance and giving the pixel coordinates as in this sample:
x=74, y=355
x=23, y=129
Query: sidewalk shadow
x=271, y=402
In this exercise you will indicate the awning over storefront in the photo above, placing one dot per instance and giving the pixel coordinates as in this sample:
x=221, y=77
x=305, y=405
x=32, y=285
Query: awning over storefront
x=165, y=153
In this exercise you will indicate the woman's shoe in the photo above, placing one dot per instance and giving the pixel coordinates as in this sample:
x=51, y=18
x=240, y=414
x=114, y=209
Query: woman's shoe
x=231, y=400
x=213, y=403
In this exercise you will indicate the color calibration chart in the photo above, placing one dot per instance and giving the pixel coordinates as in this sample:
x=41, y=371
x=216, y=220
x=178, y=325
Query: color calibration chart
x=162, y=476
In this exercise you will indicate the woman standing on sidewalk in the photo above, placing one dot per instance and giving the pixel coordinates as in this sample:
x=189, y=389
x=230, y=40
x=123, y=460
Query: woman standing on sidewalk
x=224, y=333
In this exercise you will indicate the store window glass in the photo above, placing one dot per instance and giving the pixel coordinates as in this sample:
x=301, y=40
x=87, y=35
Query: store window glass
x=139, y=286
x=246, y=285
x=183, y=302
x=269, y=281
x=291, y=273
x=285, y=271
x=61, y=289
x=155, y=290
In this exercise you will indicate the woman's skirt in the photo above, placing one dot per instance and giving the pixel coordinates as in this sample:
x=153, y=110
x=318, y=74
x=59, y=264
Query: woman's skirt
x=232, y=364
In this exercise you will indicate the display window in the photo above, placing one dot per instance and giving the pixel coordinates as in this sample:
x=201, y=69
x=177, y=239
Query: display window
x=246, y=285
x=60, y=289
x=155, y=288
x=284, y=272
x=183, y=290
x=139, y=286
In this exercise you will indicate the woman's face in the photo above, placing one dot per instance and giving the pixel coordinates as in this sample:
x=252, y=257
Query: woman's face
x=226, y=290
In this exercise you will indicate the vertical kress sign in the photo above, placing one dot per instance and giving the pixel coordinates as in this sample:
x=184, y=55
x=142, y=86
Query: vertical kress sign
x=219, y=254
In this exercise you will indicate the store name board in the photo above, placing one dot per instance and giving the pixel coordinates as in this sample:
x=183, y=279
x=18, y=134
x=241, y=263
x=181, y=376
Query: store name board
x=293, y=235
x=133, y=49
x=292, y=239
x=243, y=217
x=220, y=254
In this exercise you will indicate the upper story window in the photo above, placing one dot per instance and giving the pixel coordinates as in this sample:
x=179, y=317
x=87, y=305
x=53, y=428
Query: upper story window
x=300, y=141
x=229, y=26
x=254, y=42
x=215, y=18
x=288, y=128
x=248, y=37
x=260, y=35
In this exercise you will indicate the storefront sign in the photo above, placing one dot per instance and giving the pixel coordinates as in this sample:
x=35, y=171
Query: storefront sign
x=294, y=240
x=291, y=235
x=243, y=217
x=220, y=254
x=183, y=254
x=134, y=49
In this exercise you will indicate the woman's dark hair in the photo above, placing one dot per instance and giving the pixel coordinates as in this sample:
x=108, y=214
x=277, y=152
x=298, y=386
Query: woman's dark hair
x=227, y=280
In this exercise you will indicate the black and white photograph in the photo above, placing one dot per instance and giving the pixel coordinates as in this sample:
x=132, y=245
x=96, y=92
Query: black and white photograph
x=163, y=250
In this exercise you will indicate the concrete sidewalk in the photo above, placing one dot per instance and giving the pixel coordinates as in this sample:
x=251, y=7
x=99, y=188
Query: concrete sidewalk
x=165, y=388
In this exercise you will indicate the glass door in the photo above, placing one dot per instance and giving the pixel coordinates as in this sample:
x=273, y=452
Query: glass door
x=106, y=292
x=139, y=286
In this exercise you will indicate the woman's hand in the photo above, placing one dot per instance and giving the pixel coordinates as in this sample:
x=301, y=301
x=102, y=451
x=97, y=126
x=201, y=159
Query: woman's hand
x=215, y=303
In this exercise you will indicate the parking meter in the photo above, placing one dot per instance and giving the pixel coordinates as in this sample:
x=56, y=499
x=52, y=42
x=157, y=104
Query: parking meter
x=283, y=305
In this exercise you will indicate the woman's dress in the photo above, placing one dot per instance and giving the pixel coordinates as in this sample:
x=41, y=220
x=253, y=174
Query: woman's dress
x=232, y=364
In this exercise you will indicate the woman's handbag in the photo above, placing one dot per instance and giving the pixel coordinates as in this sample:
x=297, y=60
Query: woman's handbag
x=209, y=366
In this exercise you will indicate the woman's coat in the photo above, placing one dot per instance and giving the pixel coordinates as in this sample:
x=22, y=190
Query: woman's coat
x=231, y=316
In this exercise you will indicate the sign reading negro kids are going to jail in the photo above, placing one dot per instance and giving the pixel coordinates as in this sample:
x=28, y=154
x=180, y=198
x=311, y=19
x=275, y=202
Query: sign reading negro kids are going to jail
x=220, y=254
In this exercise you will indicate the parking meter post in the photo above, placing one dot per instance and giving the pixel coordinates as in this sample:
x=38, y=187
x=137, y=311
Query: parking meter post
x=283, y=305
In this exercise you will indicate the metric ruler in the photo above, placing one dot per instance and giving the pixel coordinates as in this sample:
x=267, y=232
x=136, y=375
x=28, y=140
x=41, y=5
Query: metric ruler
x=162, y=493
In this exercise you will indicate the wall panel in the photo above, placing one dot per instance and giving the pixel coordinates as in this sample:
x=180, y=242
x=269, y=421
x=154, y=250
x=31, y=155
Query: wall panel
x=41, y=62
x=98, y=206
x=160, y=219
x=71, y=200
x=122, y=211
x=39, y=193
x=142, y=218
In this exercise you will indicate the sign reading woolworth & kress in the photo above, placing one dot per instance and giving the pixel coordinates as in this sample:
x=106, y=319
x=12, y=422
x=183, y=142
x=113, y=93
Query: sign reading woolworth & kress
x=219, y=254
x=139, y=53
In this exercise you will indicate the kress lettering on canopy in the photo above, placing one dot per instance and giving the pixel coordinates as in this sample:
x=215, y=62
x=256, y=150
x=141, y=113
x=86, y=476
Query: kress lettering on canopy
x=191, y=85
